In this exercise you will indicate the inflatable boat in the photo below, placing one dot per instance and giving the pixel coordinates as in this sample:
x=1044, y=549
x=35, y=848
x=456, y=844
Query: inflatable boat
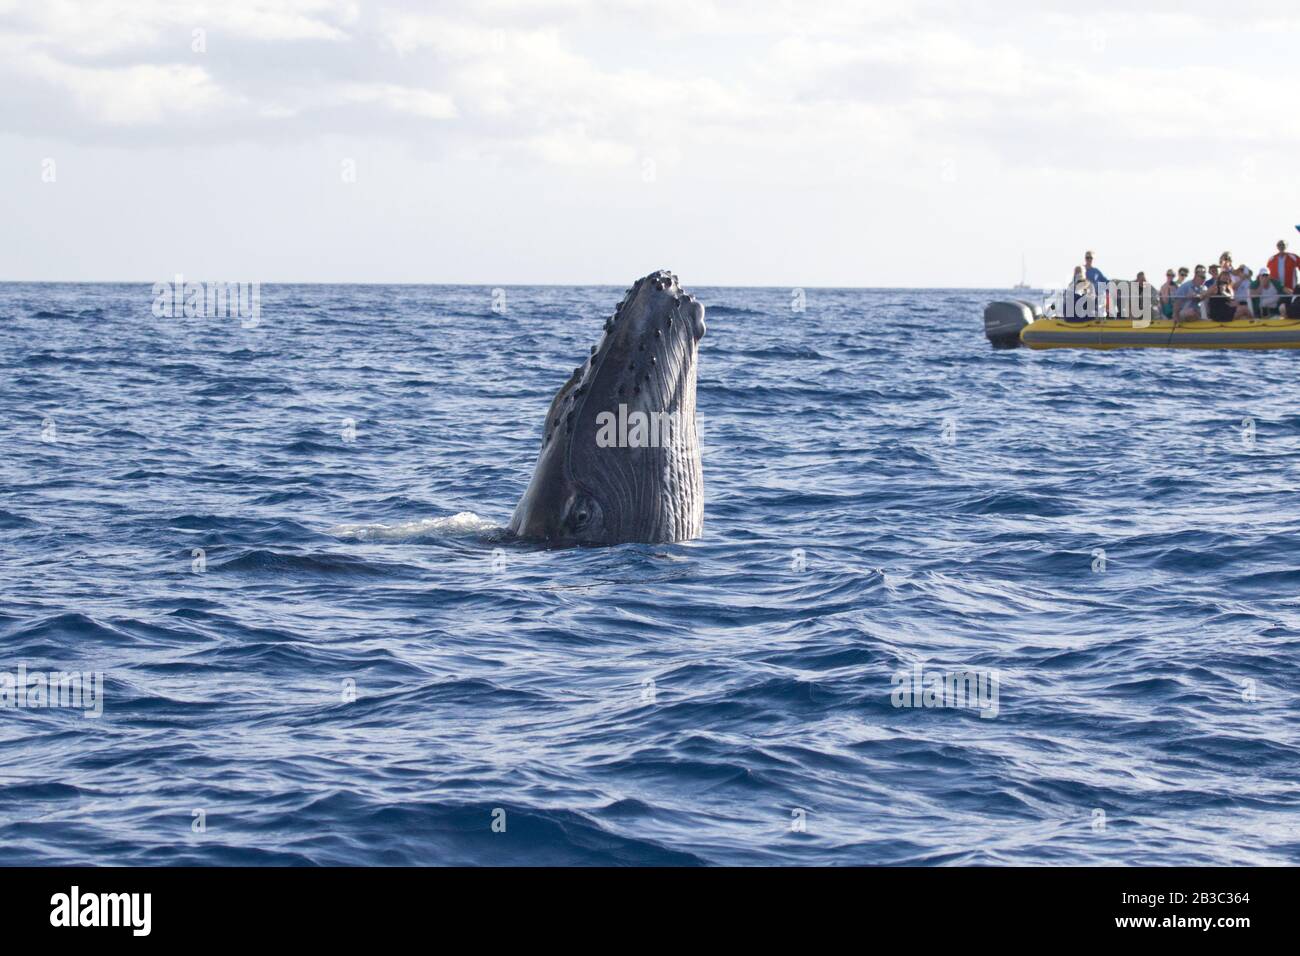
x=1016, y=323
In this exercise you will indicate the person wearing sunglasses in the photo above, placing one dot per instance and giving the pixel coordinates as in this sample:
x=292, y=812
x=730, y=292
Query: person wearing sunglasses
x=1098, y=279
x=1187, y=300
x=1220, y=303
x=1167, y=294
x=1284, y=267
x=1265, y=295
x=1241, y=292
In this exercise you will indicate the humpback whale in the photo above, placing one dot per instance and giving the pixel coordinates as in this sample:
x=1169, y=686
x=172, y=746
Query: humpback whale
x=620, y=455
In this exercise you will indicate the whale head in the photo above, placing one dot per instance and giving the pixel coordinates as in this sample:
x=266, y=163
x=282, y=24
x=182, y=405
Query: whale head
x=620, y=455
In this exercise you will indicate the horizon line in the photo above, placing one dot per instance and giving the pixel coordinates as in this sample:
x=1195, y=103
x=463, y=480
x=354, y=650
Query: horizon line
x=527, y=285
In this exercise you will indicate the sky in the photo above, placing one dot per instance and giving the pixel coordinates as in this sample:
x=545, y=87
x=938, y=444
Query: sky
x=789, y=144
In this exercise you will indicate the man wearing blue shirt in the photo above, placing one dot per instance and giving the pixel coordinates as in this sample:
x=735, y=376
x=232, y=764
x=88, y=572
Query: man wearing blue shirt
x=1096, y=277
x=1187, y=300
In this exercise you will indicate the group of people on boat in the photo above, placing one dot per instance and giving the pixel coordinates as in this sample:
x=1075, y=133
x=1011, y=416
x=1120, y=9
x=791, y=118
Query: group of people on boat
x=1220, y=292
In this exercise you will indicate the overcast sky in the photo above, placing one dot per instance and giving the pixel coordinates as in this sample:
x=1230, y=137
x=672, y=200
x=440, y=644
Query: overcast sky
x=784, y=144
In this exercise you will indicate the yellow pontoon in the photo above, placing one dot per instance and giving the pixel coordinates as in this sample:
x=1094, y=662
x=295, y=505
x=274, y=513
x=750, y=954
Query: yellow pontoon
x=1273, y=333
x=1008, y=324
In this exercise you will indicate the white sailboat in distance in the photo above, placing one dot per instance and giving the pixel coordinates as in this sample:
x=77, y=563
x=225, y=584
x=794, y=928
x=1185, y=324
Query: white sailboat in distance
x=1022, y=285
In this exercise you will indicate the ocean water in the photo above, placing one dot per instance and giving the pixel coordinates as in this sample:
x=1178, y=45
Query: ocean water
x=317, y=647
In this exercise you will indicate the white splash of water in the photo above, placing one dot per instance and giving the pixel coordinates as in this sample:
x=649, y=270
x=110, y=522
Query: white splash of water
x=457, y=525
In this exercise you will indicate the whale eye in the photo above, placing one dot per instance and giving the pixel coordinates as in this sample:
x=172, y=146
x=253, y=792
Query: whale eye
x=583, y=514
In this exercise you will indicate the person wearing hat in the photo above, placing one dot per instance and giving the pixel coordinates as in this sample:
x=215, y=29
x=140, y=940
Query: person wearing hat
x=1265, y=294
x=1097, y=278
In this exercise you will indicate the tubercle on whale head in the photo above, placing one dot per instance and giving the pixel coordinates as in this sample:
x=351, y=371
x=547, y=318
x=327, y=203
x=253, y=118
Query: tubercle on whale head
x=685, y=309
x=587, y=487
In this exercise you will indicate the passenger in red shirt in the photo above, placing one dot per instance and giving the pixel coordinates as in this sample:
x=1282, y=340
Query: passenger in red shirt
x=1283, y=267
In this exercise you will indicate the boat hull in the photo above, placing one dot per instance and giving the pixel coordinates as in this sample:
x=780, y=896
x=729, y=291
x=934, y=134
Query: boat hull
x=1273, y=333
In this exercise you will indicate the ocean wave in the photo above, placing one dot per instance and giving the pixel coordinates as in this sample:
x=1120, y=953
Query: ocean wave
x=265, y=561
x=462, y=524
x=716, y=309
x=10, y=521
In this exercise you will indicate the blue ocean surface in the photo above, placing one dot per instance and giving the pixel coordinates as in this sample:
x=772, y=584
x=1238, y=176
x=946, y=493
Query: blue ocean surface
x=282, y=547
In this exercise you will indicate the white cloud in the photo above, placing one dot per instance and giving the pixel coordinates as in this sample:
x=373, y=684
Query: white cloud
x=143, y=94
x=573, y=146
x=838, y=119
x=427, y=104
x=98, y=27
x=770, y=76
x=281, y=19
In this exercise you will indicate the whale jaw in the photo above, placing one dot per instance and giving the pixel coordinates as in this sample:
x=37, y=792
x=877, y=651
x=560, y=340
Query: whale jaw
x=620, y=456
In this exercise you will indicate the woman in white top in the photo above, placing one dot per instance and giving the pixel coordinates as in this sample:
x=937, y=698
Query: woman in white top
x=1265, y=294
x=1082, y=305
x=1241, y=293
